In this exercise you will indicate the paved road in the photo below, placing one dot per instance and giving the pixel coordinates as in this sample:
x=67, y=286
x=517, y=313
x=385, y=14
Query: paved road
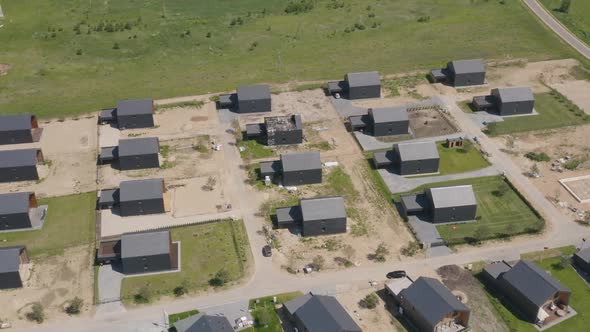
x=557, y=27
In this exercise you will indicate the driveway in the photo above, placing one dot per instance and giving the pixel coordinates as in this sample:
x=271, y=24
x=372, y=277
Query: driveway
x=370, y=143
x=109, y=283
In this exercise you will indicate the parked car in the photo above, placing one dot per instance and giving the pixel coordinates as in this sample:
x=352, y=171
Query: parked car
x=396, y=274
x=266, y=251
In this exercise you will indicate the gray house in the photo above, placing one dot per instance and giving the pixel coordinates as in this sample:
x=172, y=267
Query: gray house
x=140, y=197
x=386, y=121
x=529, y=288
x=363, y=85
x=452, y=204
x=318, y=313
x=410, y=158
x=253, y=99
x=20, y=165
x=296, y=168
x=138, y=153
x=515, y=100
x=11, y=261
x=204, y=323
x=582, y=260
x=15, y=209
x=278, y=130
x=431, y=307
x=316, y=216
x=147, y=252
x=135, y=113
x=16, y=129
x=461, y=73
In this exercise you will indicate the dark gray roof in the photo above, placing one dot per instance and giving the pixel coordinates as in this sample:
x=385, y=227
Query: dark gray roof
x=136, y=190
x=323, y=208
x=15, y=122
x=138, y=146
x=432, y=299
x=368, y=78
x=468, y=66
x=389, y=114
x=496, y=269
x=300, y=161
x=254, y=129
x=383, y=157
x=13, y=203
x=515, y=94
x=532, y=282
x=321, y=313
x=9, y=259
x=292, y=305
x=253, y=92
x=288, y=214
x=135, y=107
x=452, y=196
x=584, y=254
x=109, y=196
x=204, y=323
x=108, y=153
x=145, y=244
x=17, y=158
x=417, y=151
x=416, y=202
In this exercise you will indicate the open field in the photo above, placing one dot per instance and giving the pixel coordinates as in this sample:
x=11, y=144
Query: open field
x=266, y=317
x=576, y=20
x=227, y=249
x=460, y=160
x=63, y=54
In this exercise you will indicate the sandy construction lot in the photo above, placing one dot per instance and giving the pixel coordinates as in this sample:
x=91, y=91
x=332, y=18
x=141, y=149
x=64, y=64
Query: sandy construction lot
x=576, y=91
x=377, y=319
x=202, y=195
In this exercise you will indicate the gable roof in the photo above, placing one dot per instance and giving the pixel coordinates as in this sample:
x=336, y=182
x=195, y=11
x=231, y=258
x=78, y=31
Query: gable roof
x=9, y=259
x=367, y=78
x=431, y=299
x=468, y=66
x=15, y=122
x=584, y=254
x=145, y=244
x=323, y=208
x=515, y=94
x=389, y=114
x=452, y=196
x=14, y=203
x=417, y=151
x=18, y=158
x=301, y=161
x=532, y=282
x=136, y=190
x=320, y=313
x=138, y=146
x=135, y=107
x=253, y=92
x=204, y=323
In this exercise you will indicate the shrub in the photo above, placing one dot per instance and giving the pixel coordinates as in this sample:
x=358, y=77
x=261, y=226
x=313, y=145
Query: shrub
x=180, y=289
x=381, y=253
x=565, y=6
x=299, y=7
x=370, y=301
x=572, y=164
x=220, y=278
x=79, y=52
x=208, y=35
x=144, y=295
x=537, y=156
x=116, y=46
x=424, y=19
x=411, y=249
x=318, y=262
x=37, y=313
x=75, y=306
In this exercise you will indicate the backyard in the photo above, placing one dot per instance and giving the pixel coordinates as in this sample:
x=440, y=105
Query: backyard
x=266, y=318
x=554, y=110
x=576, y=20
x=460, y=160
x=59, y=55
x=206, y=250
x=70, y=222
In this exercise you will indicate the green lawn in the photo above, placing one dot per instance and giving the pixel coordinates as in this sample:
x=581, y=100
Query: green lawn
x=497, y=216
x=554, y=110
x=254, y=150
x=73, y=56
x=460, y=160
x=205, y=250
x=265, y=316
x=578, y=18
x=70, y=222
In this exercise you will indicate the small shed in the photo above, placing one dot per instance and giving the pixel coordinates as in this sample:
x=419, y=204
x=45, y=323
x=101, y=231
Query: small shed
x=514, y=100
x=288, y=216
x=283, y=130
x=141, y=197
x=383, y=159
x=452, y=204
x=17, y=129
x=323, y=216
x=414, y=204
x=363, y=85
x=582, y=260
x=466, y=72
x=388, y=121
x=254, y=99
x=135, y=113
x=15, y=209
x=108, y=198
x=301, y=168
x=12, y=261
x=146, y=252
x=138, y=153
x=20, y=165
x=417, y=158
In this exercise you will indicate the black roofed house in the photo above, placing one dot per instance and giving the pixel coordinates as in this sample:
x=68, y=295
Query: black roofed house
x=431, y=307
x=135, y=113
x=147, y=252
x=140, y=197
x=461, y=73
x=20, y=165
x=532, y=291
x=452, y=204
x=17, y=210
x=319, y=313
x=12, y=266
x=278, y=130
x=582, y=260
x=253, y=99
x=386, y=121
x=204, y=323
x=514, y=100
x=21, y=128
x=138, y=153
x=363, y=85
x=296, y=168
x=317, y=216
x=417, y=158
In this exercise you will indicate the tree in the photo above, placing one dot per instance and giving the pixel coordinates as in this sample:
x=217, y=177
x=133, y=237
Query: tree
x=381, y=252
x=75, y=306
x=220, y=278
x=37, y=313
x=116, y=46
x=565, y=6
x=370, y=301
x=318, y=262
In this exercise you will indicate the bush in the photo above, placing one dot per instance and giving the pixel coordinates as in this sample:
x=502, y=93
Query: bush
x=116, y=46
x=75, y=306
x=144, y=295
x=424, y=19
x=318, y=262
x=411, y=249
x=381, y=253
x=37, y=313
x=298, y=7
x=537, y=156
x=370, y=301
x=220, y=278
x=79, y=52
x=572, y=164
x=180, y=290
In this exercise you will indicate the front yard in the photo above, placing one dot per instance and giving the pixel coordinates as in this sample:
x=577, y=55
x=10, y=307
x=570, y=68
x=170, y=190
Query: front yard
x=266, y=318
x=460, y=160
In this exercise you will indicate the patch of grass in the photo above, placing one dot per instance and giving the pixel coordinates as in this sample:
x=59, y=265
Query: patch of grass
x=265, y=316
x=542, y=156
x=572, y=164
x=194, y=104
x=460, y=160
x=576, y=20
x=254, y=150
x=70, y=222
x=167, y=51
x=309, y=86
x=253, y=171
x=226, y=246
x=465, y=106
x=269, y=207
x=165, y=150
x=394, y=86
x=554, y=109
x=338, y=183
x=173, y=318
x=323, y=146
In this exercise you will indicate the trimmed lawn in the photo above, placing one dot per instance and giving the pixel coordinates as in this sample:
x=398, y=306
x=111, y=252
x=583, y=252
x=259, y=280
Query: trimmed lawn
x=265, y=316
x=205, y=250
x=554, y=110
x=70, y=222
x=65, y=53
x=577, y=20
x=460, y=160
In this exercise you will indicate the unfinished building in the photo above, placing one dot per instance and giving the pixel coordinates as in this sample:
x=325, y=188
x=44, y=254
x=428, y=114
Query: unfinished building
x=18, y=129
x=461, y=73
x=315, y=216
x=294, y=168
x=20, y=165
x=13, y=265
x=506, y=101
x=277, y=130
x=386, y=121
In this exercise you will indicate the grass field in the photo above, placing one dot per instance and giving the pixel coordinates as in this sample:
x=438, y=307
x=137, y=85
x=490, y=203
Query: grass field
x=205, y=250
x=73, y=56
x=554, y=110
x=265, y=316
x=578, y=18
x=70, y=222
x=254, y=150
x=460, y=160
